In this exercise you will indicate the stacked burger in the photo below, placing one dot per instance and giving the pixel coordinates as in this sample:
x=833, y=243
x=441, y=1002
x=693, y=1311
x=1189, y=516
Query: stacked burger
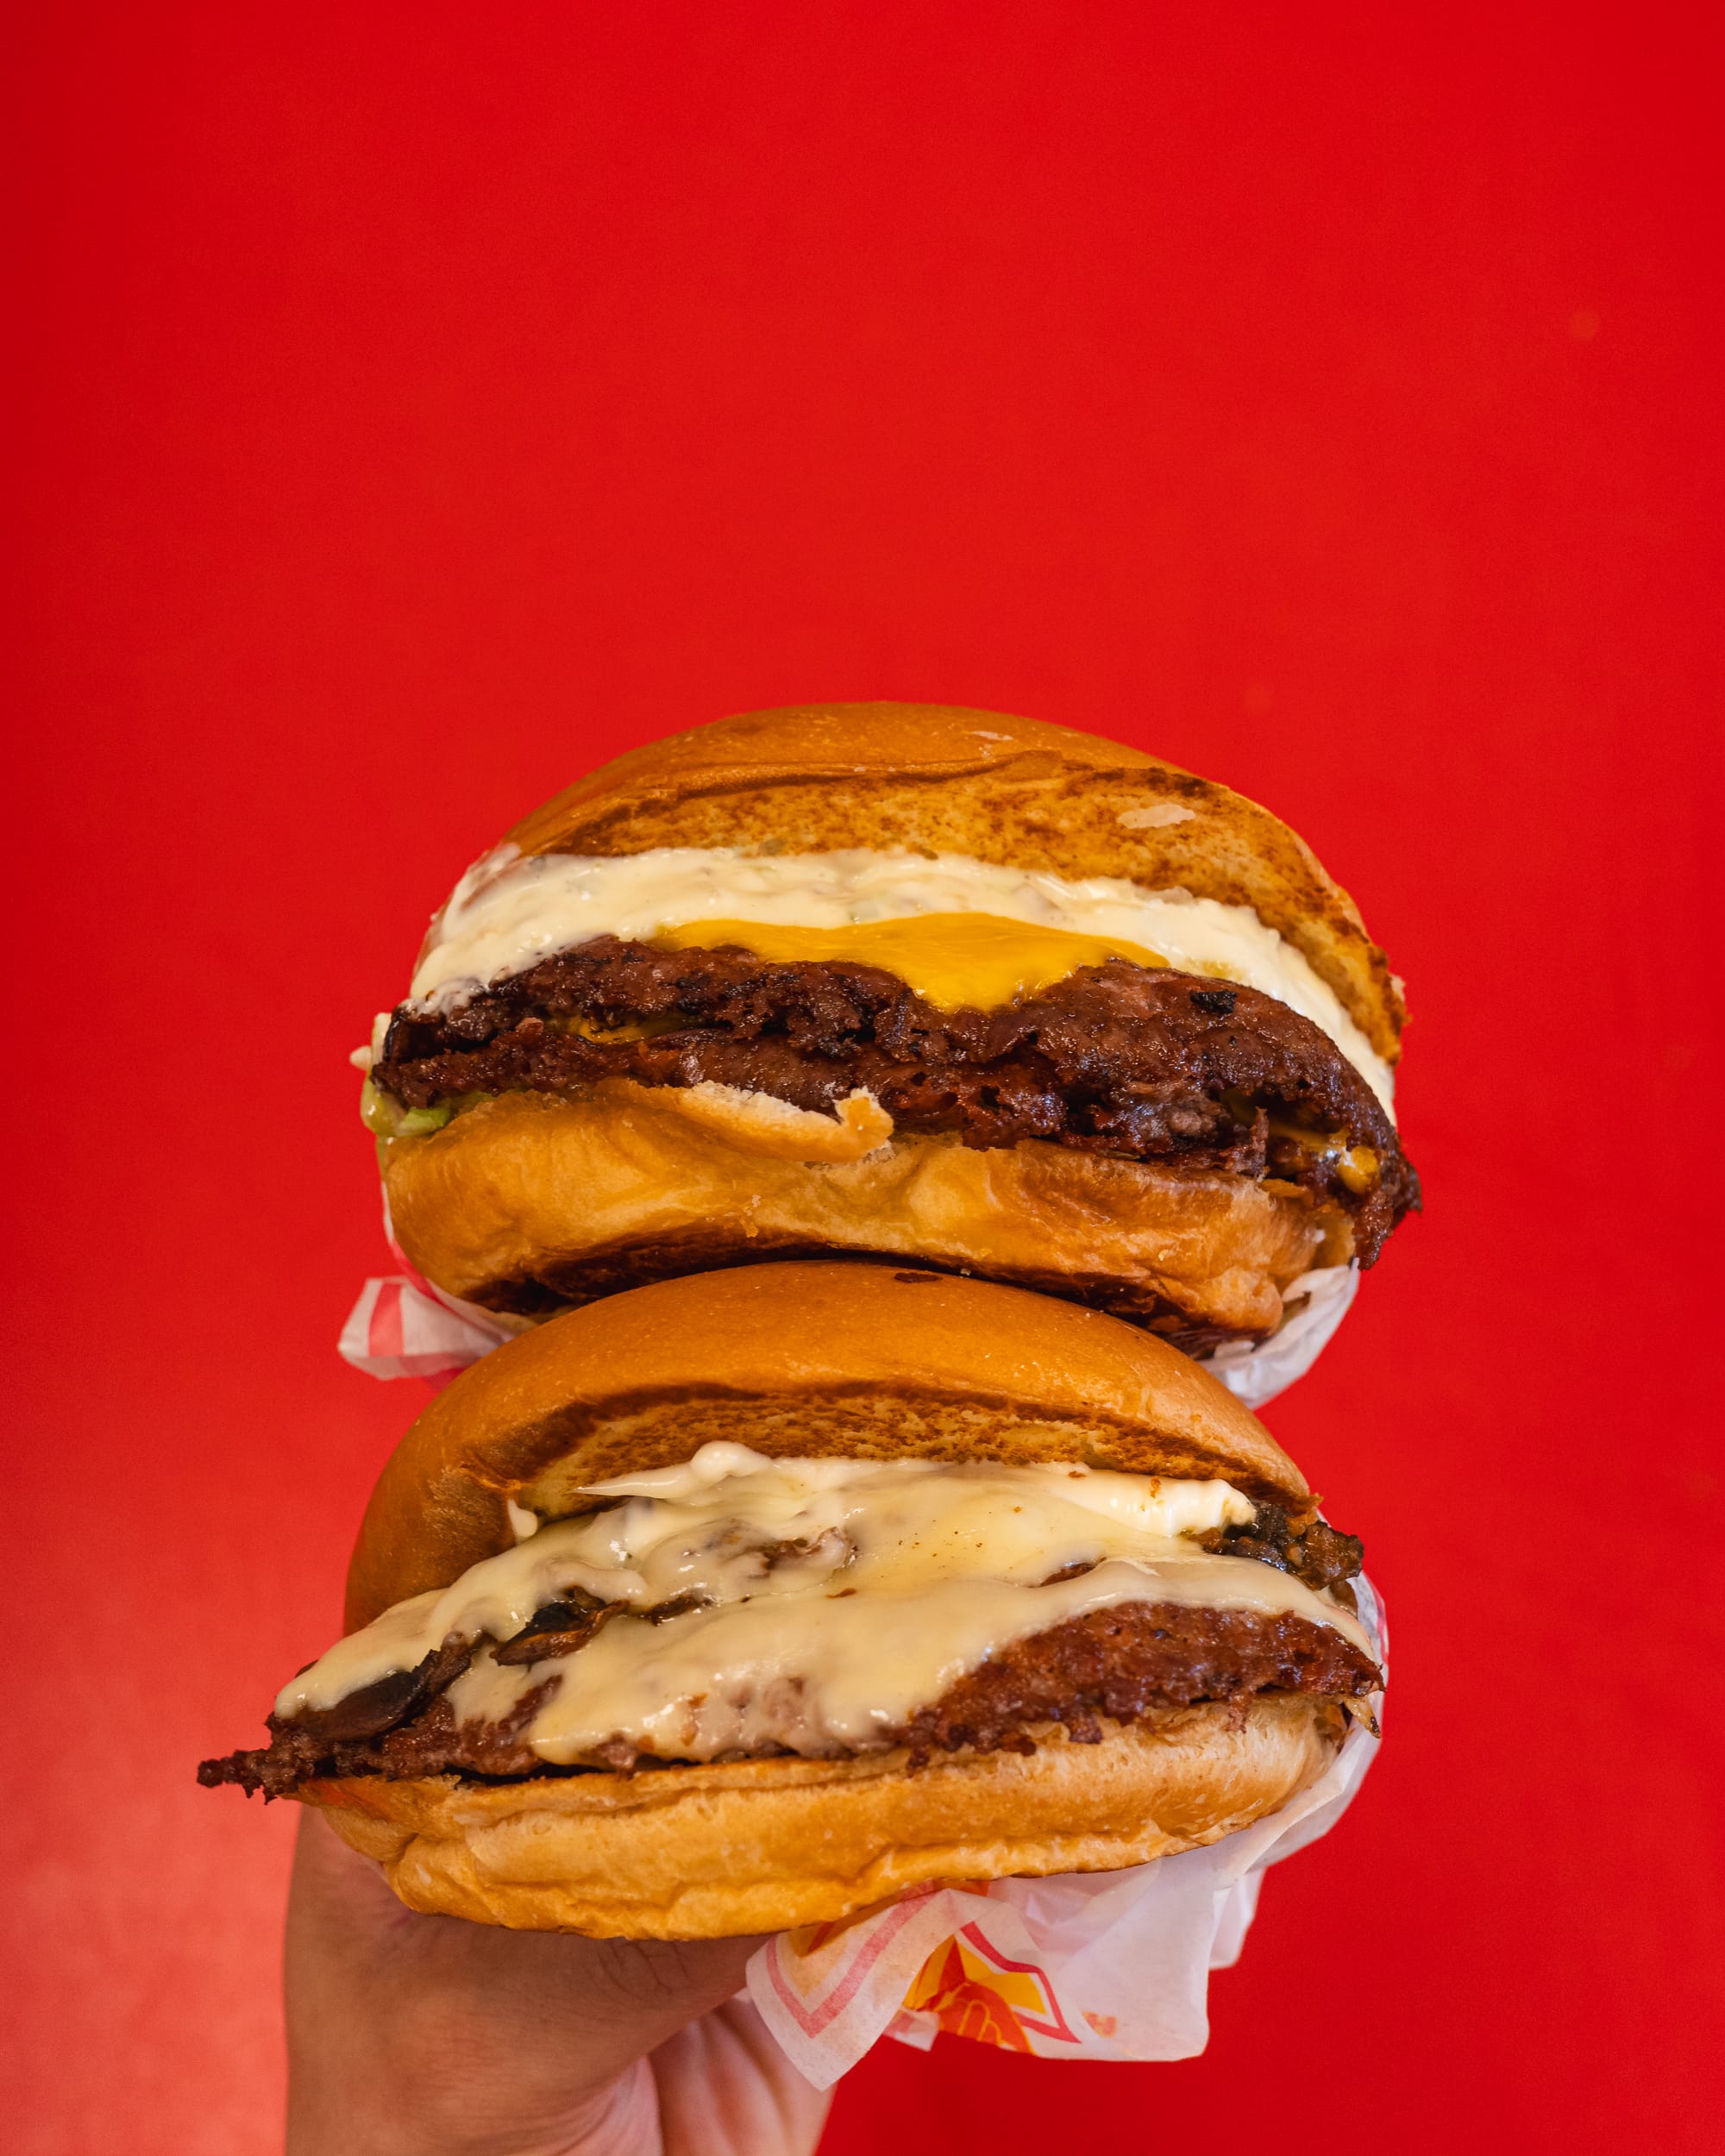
x=903, y=1143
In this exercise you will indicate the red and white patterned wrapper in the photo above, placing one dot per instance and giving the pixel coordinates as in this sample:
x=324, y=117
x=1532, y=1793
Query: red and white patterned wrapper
x=402, y=1327
x=1099, y=1966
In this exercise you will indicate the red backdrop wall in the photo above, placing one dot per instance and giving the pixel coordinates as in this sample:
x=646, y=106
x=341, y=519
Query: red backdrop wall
x=420, y=404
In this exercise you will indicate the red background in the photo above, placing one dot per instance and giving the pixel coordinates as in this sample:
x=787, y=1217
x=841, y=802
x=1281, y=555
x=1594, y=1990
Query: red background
x=421, y=404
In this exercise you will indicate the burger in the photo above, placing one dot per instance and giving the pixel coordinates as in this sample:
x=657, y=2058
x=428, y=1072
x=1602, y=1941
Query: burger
x=910, y=983
x=747, y=1599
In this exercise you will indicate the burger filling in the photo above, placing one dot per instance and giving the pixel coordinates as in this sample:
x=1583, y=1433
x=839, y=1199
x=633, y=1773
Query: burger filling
x=1121, y=1058
x=958, y=932
x=815, y=1008
x=739, y=1606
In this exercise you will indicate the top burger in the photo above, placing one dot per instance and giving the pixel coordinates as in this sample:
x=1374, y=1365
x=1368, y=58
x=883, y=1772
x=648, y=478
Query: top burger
x=908, y=981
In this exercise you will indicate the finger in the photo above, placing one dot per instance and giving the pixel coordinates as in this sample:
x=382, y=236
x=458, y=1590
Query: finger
x=726, y=2089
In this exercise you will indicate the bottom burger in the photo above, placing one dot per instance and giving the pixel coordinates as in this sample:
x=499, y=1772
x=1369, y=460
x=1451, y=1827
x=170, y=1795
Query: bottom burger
x=750, y=1599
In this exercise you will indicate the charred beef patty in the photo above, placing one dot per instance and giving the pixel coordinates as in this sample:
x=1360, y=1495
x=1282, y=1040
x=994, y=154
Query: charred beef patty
x=1121, y=1662
x=1117, y=1058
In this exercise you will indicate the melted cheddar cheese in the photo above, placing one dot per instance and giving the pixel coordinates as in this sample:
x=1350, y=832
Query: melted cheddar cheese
x=954, y=961
x=958, y=930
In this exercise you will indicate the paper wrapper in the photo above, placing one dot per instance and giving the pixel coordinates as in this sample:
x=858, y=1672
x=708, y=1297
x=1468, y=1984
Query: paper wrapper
x=1106, y=1964
x=402, y=1327
x=1316, y=1304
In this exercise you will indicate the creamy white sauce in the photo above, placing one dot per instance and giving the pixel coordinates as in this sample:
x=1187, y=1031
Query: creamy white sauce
x=506, y=913
x=905, y=1576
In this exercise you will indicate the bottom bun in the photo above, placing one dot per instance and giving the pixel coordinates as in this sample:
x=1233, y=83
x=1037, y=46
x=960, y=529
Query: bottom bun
x=767, y=1845
x=533, y=1195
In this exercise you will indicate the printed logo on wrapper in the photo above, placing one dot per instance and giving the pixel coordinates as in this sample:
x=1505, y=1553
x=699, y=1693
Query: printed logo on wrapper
x=1102, y=1965
x=969, y=1989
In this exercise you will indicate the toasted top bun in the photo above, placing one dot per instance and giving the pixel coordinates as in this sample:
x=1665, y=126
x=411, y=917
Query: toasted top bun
x=797, y=1361
x=939, y=779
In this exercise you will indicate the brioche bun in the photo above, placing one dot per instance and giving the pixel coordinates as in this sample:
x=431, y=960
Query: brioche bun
x=796, y=1361
x=766, y=1845
x=574, y=1196
x=937, y=778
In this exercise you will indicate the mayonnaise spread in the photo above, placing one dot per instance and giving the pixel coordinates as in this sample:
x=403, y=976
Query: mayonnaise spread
x=836, y=1597
x=957, y=931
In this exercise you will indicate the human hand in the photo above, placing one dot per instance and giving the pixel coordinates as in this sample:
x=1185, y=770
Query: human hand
x=412, y=2035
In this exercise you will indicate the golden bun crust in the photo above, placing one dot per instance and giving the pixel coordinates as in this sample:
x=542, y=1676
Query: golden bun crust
x=798, y=1361
x=937, y=777
x=583, y=1194
x=767, y=1845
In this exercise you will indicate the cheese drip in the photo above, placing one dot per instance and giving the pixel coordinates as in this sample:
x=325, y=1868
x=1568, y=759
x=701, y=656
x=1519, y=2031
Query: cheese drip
x=839, y=1596
x=954, y=961
x=508, y=913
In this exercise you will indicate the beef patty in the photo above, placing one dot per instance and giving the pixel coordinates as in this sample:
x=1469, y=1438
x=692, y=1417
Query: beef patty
x=1121, y=1664
x=1118, y=1058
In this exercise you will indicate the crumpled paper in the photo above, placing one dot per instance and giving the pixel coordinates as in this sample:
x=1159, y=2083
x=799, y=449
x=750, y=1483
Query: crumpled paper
x=1109, y=1965
x=1257, y=1373
x=402, y=1327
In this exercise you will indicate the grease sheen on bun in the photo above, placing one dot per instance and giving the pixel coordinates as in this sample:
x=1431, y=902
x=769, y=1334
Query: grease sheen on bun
x=799, y=1360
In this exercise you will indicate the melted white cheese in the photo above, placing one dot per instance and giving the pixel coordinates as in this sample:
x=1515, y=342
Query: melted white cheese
x=507, y=913
x=840, y=1597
